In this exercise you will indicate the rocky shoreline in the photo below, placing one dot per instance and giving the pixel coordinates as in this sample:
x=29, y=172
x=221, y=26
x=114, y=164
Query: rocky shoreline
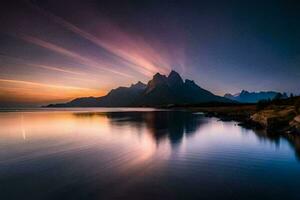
x=275, y=120
x=280, y=119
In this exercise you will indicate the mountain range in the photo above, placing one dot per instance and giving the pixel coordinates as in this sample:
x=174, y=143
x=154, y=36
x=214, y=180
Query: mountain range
x=253, y=97
x=161, y=90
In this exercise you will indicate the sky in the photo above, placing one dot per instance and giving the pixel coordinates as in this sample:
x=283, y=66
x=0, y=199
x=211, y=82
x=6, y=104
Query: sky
x=56, y=50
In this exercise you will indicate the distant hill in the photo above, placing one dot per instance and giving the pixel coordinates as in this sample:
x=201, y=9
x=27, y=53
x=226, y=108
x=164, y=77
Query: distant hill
x=253, y=97
x=161, y=90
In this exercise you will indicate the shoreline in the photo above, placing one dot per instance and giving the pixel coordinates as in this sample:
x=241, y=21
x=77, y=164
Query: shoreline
x=275, y=120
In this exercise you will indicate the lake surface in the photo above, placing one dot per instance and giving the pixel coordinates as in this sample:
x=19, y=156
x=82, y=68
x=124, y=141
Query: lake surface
x=141, y=154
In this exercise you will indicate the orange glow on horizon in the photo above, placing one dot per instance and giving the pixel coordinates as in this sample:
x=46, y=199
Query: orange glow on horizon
x=56, y=58
x=26, y=91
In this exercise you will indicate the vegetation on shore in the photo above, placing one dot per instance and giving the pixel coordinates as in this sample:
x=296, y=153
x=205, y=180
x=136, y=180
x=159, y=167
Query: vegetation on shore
x=278, y=116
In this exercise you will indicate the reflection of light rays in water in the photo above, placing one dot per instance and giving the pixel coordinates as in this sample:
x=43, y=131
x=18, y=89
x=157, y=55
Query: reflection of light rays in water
x=148, y=159
x=23, y=128
x=147, y=151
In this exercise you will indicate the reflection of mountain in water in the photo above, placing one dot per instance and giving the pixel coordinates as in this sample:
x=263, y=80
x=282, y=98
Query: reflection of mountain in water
x=293, y=140
x=173, y=125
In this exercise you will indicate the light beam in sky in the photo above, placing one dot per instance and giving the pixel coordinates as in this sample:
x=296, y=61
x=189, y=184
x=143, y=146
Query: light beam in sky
x=58, y=69
x=130, y=47
x=100, y=46
x=42, y=84
x=77, y=57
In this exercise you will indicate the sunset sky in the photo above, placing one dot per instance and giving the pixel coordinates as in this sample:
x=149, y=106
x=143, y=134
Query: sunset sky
x=57, y=50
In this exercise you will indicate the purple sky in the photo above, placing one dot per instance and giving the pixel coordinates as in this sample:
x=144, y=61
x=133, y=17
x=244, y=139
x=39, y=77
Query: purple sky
x=53, y=51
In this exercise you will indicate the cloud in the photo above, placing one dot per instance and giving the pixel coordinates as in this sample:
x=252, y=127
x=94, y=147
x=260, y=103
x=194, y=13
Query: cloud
x=52, y=68
x=77, y=57
x=137, y=53
x=42, y=84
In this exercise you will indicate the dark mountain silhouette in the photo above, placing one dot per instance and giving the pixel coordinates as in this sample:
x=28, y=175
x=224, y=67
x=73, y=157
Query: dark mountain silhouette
x=161, y=90
x=252, y=97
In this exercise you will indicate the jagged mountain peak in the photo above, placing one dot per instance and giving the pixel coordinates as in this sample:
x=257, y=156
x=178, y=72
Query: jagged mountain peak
x=189, y=82
x=157, y=80
x=244, y=92
x=159, y=76
x=161, y=90
x=252, y=97
x=174, y=73
x=174, y=78
x=138, y=85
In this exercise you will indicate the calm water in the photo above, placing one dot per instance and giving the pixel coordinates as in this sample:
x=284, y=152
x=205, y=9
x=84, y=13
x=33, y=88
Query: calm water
x=141, y=154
